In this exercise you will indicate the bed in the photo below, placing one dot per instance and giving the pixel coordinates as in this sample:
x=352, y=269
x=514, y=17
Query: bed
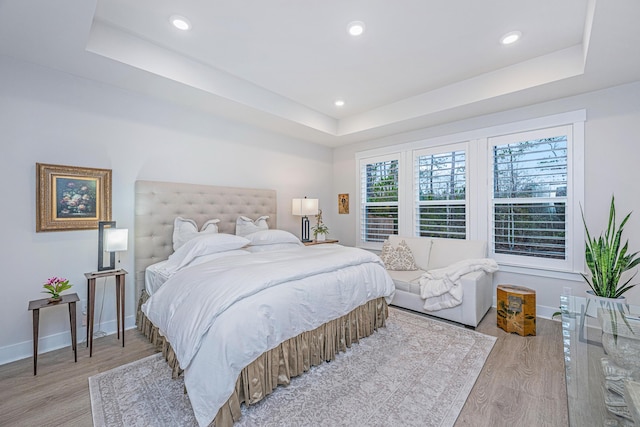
x=247, y=337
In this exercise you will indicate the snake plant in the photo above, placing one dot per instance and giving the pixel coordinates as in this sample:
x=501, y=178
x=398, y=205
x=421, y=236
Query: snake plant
x=607, y=260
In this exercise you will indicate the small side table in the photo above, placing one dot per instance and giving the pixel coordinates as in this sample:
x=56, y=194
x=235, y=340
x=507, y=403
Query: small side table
x=516, y=309
x=91, y=301
x=35, y=307
x=320, y=242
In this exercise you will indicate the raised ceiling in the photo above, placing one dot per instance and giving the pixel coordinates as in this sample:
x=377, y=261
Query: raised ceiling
x=281, y=65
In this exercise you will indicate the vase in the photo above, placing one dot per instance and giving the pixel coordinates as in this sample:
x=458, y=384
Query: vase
x=54, y=300
x=620, y=333
x=321, y=237
x=595, y=303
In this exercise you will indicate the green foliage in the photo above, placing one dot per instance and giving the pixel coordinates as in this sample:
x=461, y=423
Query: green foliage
x=607, y=259
x=55, y=286
x=319, y=229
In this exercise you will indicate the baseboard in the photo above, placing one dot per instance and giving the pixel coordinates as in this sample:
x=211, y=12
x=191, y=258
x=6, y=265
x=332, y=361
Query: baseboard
x=24, y=349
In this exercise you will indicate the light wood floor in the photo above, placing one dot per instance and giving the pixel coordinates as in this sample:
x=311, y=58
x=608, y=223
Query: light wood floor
x=521, y=384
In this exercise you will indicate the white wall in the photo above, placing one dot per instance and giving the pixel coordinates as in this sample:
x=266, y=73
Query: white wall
x=51, y=117
x=612, y=161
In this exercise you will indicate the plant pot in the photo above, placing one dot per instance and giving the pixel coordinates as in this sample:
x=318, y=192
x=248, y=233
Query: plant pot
x=620, y=334
x=54, y=300
x=321, y=237
x=594, y=303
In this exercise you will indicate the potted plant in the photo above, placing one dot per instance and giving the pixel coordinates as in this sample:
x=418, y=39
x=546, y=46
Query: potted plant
x=320, y=230
x=607, y=260
x=55, y=286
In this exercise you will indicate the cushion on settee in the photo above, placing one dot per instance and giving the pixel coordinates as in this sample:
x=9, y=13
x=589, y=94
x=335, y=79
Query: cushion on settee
x=398, y=258
x=408, y=281
x=445, y=252
x=420, y=248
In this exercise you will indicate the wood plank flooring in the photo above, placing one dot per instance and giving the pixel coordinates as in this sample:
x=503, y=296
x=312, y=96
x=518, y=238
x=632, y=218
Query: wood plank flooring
x=522, y=382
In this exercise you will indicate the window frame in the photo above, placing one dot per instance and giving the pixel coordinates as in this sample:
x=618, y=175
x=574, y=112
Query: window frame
x=479, y=213
x=361, y=201
x=565, y=264
x=438, y=150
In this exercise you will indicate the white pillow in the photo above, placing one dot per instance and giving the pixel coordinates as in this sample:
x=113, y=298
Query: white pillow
x=399, y=258
x=186, y=229
x=246, y=226
x=270, y=237
x=204, y=244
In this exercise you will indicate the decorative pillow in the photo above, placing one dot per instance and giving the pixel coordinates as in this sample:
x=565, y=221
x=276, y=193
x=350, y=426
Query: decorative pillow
x=270, y=237
x=246, y=226
x=185, y=229
x=203, y=244
x=399, y=258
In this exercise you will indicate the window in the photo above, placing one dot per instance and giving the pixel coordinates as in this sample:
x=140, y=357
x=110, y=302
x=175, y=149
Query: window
x=516, y=186
x=379, y=199
x=529, y=202
x=440, y=202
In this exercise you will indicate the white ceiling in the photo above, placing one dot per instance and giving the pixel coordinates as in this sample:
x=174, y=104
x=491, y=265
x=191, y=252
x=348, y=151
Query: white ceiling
x=281, y=64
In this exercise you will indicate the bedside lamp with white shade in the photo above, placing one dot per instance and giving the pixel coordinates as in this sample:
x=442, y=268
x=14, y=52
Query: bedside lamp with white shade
x=110, y=240
x=304, y=207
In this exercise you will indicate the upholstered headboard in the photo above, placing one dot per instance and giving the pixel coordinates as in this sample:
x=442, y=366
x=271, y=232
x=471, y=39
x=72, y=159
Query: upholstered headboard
x=159, y=203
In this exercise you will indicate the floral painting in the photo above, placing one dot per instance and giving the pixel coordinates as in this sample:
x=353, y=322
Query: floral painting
x=71, y=197
x=75, y=198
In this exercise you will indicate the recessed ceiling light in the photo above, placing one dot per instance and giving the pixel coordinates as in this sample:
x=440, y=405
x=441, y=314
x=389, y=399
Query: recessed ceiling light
x=511, y=37
x=180, y=22
x=355, y=28
x=339, y=103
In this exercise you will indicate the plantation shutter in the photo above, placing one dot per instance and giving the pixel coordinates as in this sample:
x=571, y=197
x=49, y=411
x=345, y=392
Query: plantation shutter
x=379, y=200
x=530, y=197
x=440, y=182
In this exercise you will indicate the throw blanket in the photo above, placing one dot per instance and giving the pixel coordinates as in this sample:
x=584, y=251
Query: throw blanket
x=442, y=288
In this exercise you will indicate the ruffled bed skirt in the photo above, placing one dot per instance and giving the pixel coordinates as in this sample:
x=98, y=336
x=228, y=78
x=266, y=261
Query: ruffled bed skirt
x=290, y=359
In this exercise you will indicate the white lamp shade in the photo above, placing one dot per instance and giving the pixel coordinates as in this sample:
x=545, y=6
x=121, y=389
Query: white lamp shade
x=115, y=239
x=304, y=207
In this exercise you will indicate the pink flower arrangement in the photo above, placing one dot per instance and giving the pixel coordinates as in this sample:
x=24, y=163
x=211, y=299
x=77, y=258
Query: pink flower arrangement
x=55, y=286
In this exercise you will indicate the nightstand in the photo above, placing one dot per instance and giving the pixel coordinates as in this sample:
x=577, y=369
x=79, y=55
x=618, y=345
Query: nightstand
x=320, y=242
x=91, y=300
x=35, y=307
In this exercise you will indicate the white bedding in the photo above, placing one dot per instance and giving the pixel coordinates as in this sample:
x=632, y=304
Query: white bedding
x=156, y=274
x=220, y=315
x=154, y=277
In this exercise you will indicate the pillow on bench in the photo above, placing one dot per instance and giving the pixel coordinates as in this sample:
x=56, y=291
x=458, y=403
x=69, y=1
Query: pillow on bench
x=397, y=258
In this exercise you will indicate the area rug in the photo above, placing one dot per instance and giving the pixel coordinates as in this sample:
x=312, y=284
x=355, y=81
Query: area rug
x=414, y=372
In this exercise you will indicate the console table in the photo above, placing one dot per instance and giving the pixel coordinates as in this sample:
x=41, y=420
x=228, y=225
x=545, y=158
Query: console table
x=120, y=297
x=38, y=304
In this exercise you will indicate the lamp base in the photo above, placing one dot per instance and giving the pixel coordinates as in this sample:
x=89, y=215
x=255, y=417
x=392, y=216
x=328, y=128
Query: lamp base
x=305, y=230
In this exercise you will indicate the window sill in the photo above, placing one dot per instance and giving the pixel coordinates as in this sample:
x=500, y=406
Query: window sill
x=540, y=272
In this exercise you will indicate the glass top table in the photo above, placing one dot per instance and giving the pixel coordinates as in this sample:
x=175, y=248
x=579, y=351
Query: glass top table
x=602, y=361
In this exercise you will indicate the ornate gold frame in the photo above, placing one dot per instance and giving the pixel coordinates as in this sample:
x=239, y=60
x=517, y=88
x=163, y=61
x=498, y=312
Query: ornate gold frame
x=71, y=198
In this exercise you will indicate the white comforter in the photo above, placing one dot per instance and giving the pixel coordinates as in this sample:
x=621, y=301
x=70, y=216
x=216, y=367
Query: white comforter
x=219, y=316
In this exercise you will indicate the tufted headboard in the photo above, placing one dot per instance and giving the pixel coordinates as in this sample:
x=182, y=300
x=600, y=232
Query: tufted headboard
x=159, y=203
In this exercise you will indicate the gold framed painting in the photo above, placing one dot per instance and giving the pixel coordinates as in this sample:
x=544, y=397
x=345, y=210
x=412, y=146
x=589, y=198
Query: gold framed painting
x=71, y=198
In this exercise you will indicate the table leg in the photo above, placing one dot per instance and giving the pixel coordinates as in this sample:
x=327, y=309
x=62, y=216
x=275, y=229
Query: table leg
x=122, y=305
x=72, y=321
x=90, y=309
x=118, y=304
x=36, y=324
